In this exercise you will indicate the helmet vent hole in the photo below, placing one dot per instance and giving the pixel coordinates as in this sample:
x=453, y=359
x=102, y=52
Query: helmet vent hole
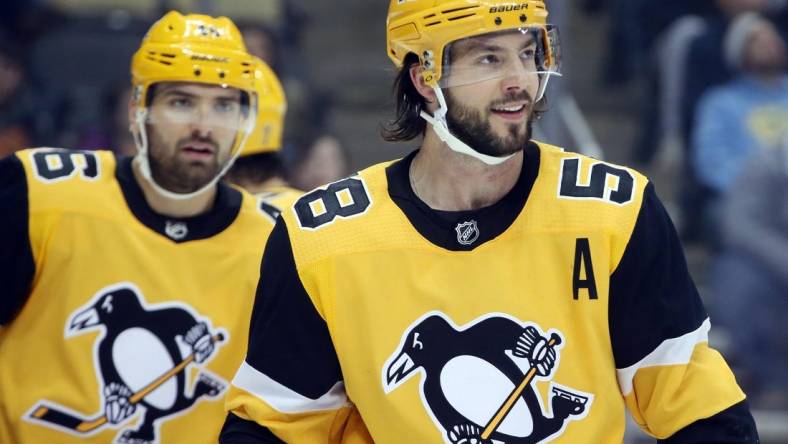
x=449, y=11
x=461, y=17
x=221, y=74
x=498, y=21
x=429, y=16
x=197, y=72
x=433, y=23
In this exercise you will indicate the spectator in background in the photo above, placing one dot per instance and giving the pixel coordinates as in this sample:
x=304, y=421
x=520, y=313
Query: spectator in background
x=748, y=114
x=319, y=161
x=705, y=69
x=706, y=64
x=16, y=101
x=749, y=281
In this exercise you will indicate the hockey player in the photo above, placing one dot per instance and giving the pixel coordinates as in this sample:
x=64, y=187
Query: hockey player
x=127, y=284
x=487, y=287
x=259, y=168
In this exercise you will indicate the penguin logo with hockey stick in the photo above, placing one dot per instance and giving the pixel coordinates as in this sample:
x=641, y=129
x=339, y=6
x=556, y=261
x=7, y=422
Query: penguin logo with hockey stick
x=140, y=358
x=477, y=380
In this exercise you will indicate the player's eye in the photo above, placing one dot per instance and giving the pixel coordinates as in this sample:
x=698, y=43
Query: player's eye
x=180, y=103
x=226, y=106
x=528, y=54
x=488, y=59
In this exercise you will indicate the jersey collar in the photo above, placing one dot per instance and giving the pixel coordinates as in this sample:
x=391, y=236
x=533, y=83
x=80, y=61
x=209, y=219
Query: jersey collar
x=462, y=230
x=221, y=215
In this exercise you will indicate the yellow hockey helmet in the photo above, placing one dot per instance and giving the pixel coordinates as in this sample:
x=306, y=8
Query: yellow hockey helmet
x=199, y=49
x=427, y=27
x=193, y=48
x=272, y=106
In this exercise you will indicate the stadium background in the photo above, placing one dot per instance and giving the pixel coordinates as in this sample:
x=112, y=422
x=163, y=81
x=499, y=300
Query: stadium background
x=64, y=82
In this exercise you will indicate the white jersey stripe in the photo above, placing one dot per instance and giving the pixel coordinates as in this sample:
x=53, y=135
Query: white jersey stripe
x=675, y=351
x=284, y=399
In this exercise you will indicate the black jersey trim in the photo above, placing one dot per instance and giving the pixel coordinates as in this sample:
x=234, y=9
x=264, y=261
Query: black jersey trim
x=222, y=214
x=439, y=227
x=17, y=266
x=734, y=425
x=652, y=296
x=240, y=431
x=288, y=340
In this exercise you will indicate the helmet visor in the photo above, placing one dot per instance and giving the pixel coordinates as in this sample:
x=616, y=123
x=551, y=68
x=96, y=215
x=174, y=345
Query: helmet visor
x=501, y=54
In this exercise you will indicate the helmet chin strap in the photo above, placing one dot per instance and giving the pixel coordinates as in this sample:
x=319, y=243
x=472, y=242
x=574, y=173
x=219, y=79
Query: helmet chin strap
x=441, y=127
x=143, y=159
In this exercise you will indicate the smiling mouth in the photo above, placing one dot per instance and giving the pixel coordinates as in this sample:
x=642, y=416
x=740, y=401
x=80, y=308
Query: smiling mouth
x=510, y=110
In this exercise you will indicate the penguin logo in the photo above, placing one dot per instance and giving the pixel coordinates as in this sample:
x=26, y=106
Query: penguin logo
x=477, y=381
x=140, y=359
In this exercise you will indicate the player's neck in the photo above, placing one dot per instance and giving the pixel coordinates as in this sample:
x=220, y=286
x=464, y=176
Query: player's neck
x=450, y=181
x=166, y=206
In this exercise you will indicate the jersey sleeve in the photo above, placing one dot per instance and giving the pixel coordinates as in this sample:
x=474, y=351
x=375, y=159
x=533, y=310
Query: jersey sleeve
x=17, y=266
x=290, y=382
x=670, y=377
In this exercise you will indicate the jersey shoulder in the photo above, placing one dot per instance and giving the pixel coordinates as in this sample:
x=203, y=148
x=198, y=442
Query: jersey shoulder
x=56, y=176
x=272, y=202
x=585, y=191
x=580, y=195
x=354, y=214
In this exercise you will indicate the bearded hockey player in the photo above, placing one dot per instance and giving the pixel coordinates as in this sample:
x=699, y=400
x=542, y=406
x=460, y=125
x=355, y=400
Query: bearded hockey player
x=487, y=288
x=127, y=284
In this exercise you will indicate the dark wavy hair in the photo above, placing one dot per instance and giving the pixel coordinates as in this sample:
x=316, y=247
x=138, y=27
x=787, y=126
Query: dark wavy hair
x=408, y=124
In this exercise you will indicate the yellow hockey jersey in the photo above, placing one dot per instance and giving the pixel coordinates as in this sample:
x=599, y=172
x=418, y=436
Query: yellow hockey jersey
x=537, y=319
x=104, y=298
x=274, y=199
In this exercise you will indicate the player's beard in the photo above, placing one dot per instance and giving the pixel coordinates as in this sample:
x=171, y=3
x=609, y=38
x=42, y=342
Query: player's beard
x=176, y=174
x=473, y=127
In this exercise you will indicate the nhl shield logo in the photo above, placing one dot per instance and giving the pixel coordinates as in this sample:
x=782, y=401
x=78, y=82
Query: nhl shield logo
x=176, y=230
x=467, y=232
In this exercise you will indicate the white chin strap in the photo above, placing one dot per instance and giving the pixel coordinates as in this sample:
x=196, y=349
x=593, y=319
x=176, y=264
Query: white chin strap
x=441, y=128
x=143, y=159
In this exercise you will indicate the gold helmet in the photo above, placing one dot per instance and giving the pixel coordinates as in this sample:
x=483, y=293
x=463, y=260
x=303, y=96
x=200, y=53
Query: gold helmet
x=195, y=49
x=272, y=106
x=427, y=27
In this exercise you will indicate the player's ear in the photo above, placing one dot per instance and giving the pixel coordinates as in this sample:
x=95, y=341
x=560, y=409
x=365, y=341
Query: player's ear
x=417, y=78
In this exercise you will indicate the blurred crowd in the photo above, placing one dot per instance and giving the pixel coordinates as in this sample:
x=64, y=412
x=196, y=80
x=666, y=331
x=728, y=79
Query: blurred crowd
x=64, y=77
x=715, y=112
